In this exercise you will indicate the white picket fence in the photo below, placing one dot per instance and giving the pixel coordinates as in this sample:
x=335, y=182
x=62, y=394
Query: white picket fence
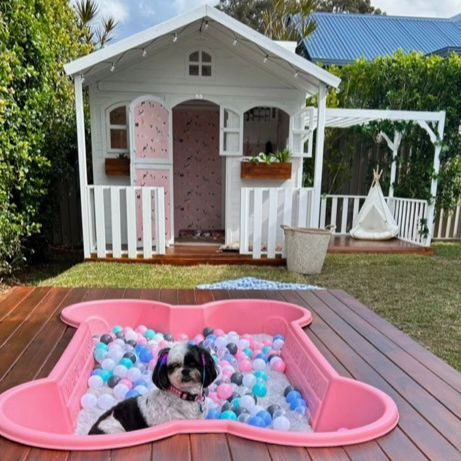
x=341, y=211
x=262, y=213
x=448, y=225
x=126, y=221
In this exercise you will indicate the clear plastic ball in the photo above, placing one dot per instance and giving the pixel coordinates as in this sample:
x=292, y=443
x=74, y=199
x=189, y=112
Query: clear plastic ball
x=106, y=401
x=249, y=380
x=95, y=382
x=108, y=364
x=120, y=371
x=278, y=344
x=248, y=402
x=120, y=390
x=259, y=364
x=281, y=423
x=88, y=401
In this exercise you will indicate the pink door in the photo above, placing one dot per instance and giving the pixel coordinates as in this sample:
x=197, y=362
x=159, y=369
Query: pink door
x=151, y=156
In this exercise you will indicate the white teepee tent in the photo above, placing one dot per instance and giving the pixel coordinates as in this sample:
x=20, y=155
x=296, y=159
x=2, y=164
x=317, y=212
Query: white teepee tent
x=375, y=220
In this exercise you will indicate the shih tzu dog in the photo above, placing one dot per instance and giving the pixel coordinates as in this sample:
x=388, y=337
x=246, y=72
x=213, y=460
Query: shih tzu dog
x=181, y=375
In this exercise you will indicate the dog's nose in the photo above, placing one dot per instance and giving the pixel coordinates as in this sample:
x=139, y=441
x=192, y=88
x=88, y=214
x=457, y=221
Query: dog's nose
x=185, y=372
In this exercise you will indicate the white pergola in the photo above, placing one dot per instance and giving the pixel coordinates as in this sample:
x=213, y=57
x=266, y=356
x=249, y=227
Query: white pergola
x=432, y=122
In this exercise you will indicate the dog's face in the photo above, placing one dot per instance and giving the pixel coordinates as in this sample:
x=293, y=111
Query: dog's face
x=186, y=367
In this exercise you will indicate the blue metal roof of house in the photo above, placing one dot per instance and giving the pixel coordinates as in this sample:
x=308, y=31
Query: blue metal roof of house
x=343, y=38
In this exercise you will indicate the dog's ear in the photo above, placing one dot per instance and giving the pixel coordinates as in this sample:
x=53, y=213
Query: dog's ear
x=160, y=373
x=209, y=372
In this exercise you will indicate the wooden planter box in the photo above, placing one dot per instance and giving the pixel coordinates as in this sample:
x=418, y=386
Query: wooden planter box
x=277, y=171
x=117, y=166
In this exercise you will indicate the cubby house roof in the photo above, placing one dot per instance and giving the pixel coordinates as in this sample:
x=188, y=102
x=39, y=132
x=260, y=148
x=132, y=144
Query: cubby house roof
x=298, y=71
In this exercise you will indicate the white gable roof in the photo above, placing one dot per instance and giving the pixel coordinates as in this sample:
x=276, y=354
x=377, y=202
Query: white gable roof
x=240, y=31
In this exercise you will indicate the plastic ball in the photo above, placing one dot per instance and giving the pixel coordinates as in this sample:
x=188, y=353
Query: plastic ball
x=256, y=421
x=245, y=366
x=132, y=394
x=243, y=344
x=248, y=352
x=117, y=329
x=288, y=389
x=131, y=335
x=237, y=378
x=127, y=383
x=168, y=337
x=259, y=364
x=266, y=350
x=232, y=348
x=226, y=406
x=265, y=416
x=126, y=362
x=130, y=356
x=105, y=375
x=120, y=391
x=247, y=402
x=225, y=391
x=278, y=344
x=229, y=415
x=149, y=334
x=108, y=364
x=274, y=408
x=293, y=395
x=131, y=342
x=106, y=401
x=121, y=370
x=259, y=389
x=220, y=343
x=213, y=413
x=88, y=401
x=113, y=381
x=295, y=403
x=99, y=354
x=95, y=382
x=281, y=423
x=278, y=366
x=219, y=332
x=261, y=375
x=207, y=331
x=145, y=355
x=249, y=380
x=106, y=339
x=244, y=418
x=235, y=403
x=134, y=374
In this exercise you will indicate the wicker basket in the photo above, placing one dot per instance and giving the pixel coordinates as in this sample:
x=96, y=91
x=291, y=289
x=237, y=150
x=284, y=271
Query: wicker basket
x=306, y=249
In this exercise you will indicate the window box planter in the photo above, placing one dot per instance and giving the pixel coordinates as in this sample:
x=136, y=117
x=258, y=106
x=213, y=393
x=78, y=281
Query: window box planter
x=117, y=166
x=274, y=171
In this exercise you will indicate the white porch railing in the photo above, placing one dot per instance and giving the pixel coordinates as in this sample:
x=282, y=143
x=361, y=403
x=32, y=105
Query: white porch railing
x=126, y=221
x=342, y=211
x=262, y=213
x=448, y=225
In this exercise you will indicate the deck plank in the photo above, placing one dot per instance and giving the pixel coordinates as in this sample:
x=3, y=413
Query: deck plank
x=356, y=342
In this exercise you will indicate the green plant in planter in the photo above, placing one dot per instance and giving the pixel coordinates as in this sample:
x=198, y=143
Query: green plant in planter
x=282, y=156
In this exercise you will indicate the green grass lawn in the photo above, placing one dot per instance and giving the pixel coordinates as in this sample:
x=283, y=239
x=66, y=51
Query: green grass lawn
x=420, y=295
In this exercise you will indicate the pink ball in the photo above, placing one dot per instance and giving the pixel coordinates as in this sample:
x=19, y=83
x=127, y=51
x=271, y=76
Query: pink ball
x=152, y=364
x=127, y=383
x=225, y=391
x=219, y=332
x=240, y=355
x=183, y=337
x=199, y=338
x=163, y=344
x=141, y=329
x=267, y=343
x=142, y=340
x=278, y=365
x=245, y=366
x=258, y=344
x=224, y=363
x=246, y=336
x=214, y=396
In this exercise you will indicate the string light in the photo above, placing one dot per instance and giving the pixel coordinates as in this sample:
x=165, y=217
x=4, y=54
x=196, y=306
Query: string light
x=206, y=25
x=144, y=52
x=235, y=41
x=82, y=78
x=175, y=37
x=296, y=75
x=266, y=58
x=112, y=67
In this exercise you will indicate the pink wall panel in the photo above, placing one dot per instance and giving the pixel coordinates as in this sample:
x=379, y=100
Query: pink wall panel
x=151, y=131
x=154, y=178
x=197, y=170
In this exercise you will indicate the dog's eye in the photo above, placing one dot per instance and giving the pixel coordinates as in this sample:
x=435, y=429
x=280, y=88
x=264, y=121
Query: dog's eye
x=173, y=366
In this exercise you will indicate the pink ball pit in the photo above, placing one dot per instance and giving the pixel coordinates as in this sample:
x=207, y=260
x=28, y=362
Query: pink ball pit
x=42, y=413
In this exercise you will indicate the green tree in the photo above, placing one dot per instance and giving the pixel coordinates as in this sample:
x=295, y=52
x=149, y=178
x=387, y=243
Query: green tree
x=97, y=31
x=36, y=114
x=348, y=6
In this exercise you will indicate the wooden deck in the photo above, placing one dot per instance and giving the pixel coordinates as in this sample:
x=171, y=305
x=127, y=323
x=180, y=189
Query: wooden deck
x=190, y=254
x=357, y=342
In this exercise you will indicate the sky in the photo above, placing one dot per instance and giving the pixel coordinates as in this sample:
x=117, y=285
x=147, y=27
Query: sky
x=137, y=15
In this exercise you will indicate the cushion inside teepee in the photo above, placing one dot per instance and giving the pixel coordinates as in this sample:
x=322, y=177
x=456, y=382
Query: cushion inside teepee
x=375, y=220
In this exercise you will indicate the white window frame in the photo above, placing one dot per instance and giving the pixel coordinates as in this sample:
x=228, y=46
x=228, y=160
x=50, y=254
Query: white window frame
x=114, y=152
x=200, y=63
x=238, y=130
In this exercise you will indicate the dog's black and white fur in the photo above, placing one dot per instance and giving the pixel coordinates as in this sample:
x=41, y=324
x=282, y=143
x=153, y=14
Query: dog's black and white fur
x=181, y=375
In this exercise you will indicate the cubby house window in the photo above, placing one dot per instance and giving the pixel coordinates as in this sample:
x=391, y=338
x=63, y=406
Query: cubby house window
x=118, y=131
x=200, y=64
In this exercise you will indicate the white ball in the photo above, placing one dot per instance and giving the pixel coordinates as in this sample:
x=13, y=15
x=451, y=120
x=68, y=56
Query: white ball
x=281, y=423
x=108, y=364
x=106, y=401
x=141, y=390
x=158, y=337
x=120, y=371
x=233, y=337
x=249, y=380
x=256, y=409
x=259, y=364
x=131, y=335
x=220, y=343
x=88, y=401
x=95, y=382
x=247, y=401
x=244, y=344
x=278, y=344
x=134, y=374
x=120, y=390
x=115, y=354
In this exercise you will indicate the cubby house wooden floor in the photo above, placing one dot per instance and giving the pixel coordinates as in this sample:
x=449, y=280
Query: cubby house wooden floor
x=356, y=341
x=190, y=254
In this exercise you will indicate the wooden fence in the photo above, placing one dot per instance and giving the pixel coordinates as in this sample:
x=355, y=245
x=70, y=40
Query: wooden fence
x=448, y=224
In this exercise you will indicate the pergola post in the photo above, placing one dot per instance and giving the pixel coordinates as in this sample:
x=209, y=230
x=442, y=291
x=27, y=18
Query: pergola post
x=80, y=117
x=319, y=149
x=437, y=141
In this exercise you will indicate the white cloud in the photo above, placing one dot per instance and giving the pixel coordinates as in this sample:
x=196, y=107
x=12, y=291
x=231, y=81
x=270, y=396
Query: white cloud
x=117, y=9
x=431, y=8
